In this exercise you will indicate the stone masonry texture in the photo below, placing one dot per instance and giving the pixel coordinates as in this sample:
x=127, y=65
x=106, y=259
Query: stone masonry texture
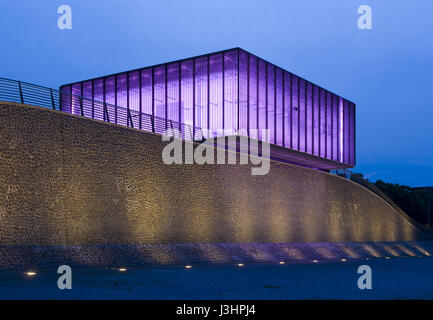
x=71, y=181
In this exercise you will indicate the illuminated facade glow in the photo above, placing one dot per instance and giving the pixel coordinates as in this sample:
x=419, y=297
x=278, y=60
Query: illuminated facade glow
x=229, y=90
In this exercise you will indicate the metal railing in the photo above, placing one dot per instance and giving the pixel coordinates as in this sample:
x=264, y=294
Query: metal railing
x=23, y=92
x=357, y=178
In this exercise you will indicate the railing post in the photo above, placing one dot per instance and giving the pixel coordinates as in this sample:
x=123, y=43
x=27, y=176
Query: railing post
x=21, y=92
x=152, y=120
x=81, y=106
x=52, y=99
x=129, y=117
x=106, y=112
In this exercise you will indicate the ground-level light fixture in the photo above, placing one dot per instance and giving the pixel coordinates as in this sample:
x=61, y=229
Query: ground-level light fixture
x=188, y=266
x=30, y=273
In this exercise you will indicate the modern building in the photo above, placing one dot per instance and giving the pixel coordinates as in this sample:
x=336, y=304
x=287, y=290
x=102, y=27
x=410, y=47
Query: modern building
x=224, y=92
x=95, y=193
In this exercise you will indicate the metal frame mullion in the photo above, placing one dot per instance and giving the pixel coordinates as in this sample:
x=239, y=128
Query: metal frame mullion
x=312, y=118
x=332, y=126
x=319, y=95
x=266, y=95
x=180, y=95
x=193, y=99
x=140, y=95
x=248, y=94
x=128, y=113
x=239, y=98
x=291, y=111
x=103, y=100
x=115, y=99
x=326, y=124
x=299, y=113
x=257, y=98
x=208, y=94
x=283, y=75
x=275, y=104
x=223, y=90
x=153, y=100
x=166, y=96
x=93, y=98
x=306, y=116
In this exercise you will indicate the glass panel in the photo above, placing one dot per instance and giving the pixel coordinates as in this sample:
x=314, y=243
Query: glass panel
x=201, y=94
x=322, y=122
x=335, y=125
x=230, y=94
x=279, y=107
x=302, y=119
x=316, y=121
x=76, y=92
x=121, y=99
x=328, y=125
x=309, y=118
x=262, y=97
x=352, y=133
x=134, y=92
x=346, y=134
x=110, y=97
x=65, y=99
x=253, y=96
x=187, y=97
x=271, y=102
x=159, y=98
x=287, y=109
x=173, y=95
x=216, y=95
x=243, y=90
x=146, y=99
x=87, y=93
x=98, y=95
x=295, y=112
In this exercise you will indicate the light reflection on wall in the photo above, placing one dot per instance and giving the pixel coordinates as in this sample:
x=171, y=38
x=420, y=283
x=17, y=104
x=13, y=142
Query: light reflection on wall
x=406, y=250
x=391, y=250
x=371, y=250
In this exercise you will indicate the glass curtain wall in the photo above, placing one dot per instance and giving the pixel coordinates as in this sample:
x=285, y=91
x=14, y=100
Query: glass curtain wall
x=222, y=93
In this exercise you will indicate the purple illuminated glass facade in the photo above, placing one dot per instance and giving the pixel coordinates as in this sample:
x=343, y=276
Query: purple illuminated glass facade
x=230, y=90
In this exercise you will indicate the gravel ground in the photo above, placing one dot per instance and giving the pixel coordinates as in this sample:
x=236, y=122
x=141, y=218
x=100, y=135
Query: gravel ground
x=396, y=278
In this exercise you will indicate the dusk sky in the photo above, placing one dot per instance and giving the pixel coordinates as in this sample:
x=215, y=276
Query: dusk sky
x=387, y=71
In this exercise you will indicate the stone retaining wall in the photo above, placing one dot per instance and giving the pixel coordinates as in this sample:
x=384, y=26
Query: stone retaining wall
x=70, y=181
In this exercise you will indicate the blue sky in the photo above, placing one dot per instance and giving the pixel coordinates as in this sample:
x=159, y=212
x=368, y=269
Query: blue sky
x=386, y=71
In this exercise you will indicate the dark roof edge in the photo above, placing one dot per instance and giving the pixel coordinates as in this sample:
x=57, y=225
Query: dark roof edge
x=198, y=57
